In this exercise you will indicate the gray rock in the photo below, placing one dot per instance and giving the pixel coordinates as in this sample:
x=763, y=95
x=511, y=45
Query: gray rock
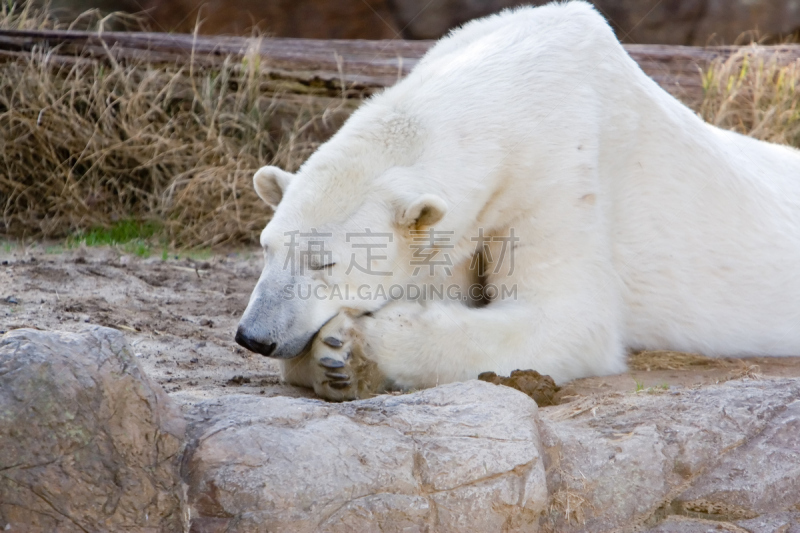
x=461, y=457
x=87, y=441
x=723, y=454
x=773, y=523
x=467, y=457
x=762, y=475
x=681, y=524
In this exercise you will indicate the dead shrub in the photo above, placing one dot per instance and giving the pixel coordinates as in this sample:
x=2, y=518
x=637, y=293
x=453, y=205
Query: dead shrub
x=86, y=142
x=754, y=95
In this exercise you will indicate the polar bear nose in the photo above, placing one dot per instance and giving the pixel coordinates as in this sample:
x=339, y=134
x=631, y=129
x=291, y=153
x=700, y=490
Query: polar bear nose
x=254, y=345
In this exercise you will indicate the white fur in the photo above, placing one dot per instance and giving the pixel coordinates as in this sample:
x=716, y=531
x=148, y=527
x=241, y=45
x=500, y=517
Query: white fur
x=641, y=226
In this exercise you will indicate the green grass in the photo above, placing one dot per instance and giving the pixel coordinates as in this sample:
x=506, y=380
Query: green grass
x=640, y=387
x=121, y=232
x=57, y=249
x=198, y=254
x=137, y=238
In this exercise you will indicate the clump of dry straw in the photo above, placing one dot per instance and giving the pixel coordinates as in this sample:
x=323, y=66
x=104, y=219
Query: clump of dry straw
x=754, y=94
x=86, y=142
x=89, y=142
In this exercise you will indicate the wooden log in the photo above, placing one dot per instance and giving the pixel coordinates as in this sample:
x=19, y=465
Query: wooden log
x=335, y=67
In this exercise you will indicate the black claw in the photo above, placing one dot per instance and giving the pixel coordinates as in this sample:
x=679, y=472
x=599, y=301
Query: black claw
x=329, y=362
x=333, y=342
x=337, y=375
x=339, y=384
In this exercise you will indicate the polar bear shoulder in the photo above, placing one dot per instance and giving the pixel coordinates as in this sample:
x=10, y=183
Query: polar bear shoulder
x=576, y=21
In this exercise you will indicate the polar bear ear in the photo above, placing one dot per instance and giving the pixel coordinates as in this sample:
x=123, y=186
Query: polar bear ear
x=426, y=210
x=270, y=182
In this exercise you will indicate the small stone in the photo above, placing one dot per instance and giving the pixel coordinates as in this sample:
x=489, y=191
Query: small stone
x=238, y=380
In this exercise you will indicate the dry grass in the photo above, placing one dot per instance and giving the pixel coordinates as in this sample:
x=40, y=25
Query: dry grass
x=754, y=95
x=36, y=16
x=92, y=142
x=89, y=143
x=669, y=360
x=26, y=17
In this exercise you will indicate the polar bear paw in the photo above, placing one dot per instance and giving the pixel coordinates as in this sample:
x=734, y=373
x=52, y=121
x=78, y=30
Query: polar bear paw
x=340, y=370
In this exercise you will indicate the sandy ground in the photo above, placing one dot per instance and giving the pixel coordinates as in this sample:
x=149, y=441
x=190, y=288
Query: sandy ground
x=180, y=316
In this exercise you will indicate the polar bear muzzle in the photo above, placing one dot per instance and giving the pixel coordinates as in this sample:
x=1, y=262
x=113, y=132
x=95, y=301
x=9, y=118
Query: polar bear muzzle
x=252, y=337
x=273, y=325
x=254, y=345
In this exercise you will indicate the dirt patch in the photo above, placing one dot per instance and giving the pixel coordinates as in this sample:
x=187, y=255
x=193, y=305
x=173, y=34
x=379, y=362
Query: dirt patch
x=658, y=372
x=180, y=316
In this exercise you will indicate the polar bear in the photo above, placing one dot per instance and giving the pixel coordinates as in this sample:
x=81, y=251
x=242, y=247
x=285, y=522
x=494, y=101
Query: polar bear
x=528, y=154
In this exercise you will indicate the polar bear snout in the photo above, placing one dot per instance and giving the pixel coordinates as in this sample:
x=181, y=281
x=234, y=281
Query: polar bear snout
x=252, y=335
x=254, y=345
x=273, y=325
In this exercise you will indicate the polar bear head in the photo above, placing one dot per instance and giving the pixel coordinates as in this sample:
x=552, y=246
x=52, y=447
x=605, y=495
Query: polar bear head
x=339, y=235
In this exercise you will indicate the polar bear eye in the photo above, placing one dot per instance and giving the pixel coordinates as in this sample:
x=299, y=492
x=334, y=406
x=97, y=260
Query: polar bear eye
x=321, y=267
